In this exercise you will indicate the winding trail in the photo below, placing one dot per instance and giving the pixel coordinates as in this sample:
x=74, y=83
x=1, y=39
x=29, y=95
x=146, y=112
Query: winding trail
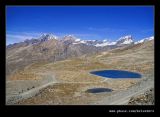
x=49, y=80
x=125, y=100
x=122, y=97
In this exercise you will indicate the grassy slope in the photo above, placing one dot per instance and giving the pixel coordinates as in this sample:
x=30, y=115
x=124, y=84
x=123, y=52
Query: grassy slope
x=139, y=58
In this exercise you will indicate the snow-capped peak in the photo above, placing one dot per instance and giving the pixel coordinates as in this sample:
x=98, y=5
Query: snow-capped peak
x=144, y=40
x=121, y=41
x=51, y=36
x=125, y=40
x=82, y=41
x=105, y=44
x=77, y=40
x=104, y=40
x=46, y=36
x=151, y=38
x=69, y=37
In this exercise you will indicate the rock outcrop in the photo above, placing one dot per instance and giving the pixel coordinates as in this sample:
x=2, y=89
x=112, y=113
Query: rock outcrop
x=143, y=99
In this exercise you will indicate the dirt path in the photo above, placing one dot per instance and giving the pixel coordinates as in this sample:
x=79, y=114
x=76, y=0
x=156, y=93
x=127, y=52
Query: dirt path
x=125, y=100
x=49, y=80
x=122, y=97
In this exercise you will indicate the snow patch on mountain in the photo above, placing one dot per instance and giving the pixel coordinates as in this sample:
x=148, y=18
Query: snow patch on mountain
x=77, y=40
x=46, y=37
x=105, y=40
x=105, y=44
x=71, y=39
x=144, y=40
x=82, y=41
x=125, y=40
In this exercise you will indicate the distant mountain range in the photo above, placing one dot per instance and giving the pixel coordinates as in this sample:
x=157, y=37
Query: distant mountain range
x=49, y=47
x=70, y=39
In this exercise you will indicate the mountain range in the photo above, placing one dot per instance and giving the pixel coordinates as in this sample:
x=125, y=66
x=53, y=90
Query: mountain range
x=70, y=39
x=49, y=47
x=67, y=62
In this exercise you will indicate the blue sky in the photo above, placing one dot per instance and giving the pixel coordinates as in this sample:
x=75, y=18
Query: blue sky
x=85, y=22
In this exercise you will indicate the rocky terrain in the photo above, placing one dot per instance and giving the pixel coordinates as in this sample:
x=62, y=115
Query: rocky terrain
x=147, y=98
x=50, y=48
x=70, y=60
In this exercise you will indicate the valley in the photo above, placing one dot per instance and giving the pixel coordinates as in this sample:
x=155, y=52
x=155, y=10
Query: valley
x=71, y=72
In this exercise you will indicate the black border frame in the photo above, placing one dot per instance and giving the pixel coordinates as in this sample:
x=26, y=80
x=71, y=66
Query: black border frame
x=76, y=108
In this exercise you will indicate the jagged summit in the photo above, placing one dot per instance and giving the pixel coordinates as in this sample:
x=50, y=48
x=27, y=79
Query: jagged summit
x=144, y=40
x=125, y=40
x=53, y=50
x=71, y=39
x=47, y=36
x=121, y=41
